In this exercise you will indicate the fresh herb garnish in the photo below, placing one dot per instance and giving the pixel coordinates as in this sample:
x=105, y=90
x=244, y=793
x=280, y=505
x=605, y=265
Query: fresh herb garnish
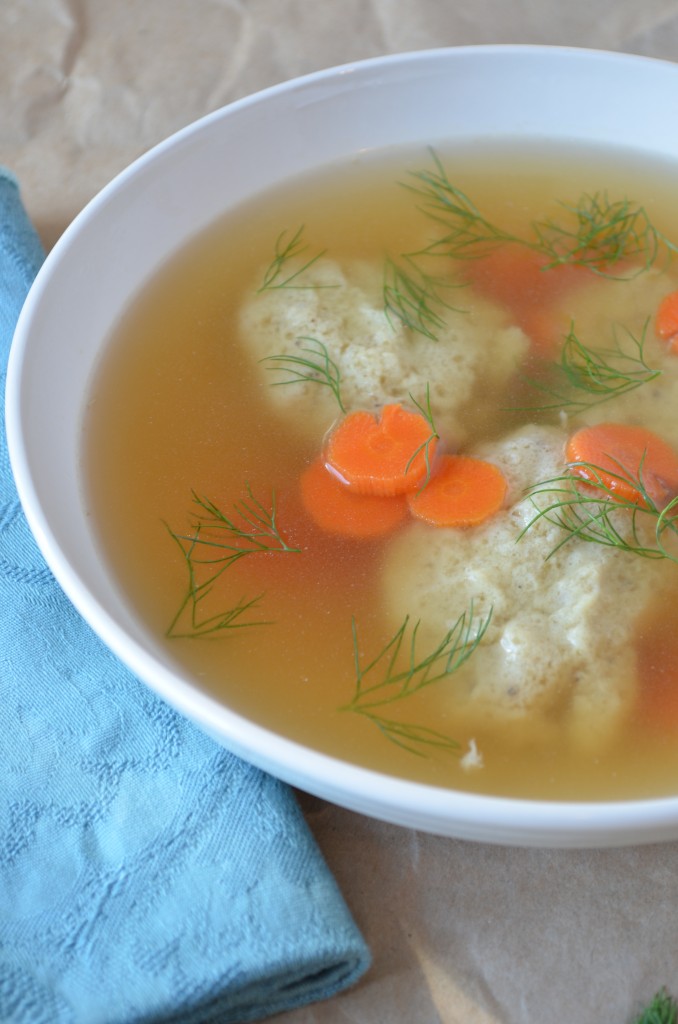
x=599, y=233
x=218, y=541
x=598, y=375
x=468, y=235
x=434, y=436
x=401, y=672
x=315, y=366
x=414, y=297
x=612, y=238
x=597, y=513
x=662, y=1010
x=280, y=274
x=595, y=232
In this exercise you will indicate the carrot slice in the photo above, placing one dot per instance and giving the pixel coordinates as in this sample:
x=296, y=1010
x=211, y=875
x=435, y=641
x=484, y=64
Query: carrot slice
x=519, y=279
x=666, y=322
x=461, y=492
x=625, y=454
x=338, y=510
x=384, y=455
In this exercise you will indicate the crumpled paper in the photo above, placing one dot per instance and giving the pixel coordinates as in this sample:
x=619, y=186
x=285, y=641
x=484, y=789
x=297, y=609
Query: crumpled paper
x=460, y=933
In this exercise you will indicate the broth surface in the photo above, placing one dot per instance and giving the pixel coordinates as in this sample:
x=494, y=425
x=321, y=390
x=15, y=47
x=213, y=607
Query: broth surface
x=179, y=407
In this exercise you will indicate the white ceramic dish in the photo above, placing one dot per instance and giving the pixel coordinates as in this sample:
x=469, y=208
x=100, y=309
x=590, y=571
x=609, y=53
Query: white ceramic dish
x=167, y=196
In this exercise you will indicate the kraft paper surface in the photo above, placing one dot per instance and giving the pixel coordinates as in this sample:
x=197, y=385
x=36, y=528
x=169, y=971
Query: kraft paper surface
x=461, y=933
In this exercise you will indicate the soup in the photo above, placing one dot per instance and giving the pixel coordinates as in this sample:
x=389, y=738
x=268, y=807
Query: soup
x=507, y=298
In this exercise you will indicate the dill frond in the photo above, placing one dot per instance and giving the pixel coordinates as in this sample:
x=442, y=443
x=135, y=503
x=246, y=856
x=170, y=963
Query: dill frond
x=217, y=541
x=413, y=297
x=222, y=621
x=279, y=273
x=468, y=235
x=597, y=514
x=315, y=366
x=599, y=234
x=662, y=1010
x=400, y=672
x=599, y=375
x=410, y=737
x=427, y=413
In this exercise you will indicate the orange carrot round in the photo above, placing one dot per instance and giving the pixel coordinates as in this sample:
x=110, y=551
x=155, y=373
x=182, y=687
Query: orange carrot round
x=625, y=456
x=461, y=492
x=338, y=510
x=381, y=455
x=666, y=322
x=521, y=280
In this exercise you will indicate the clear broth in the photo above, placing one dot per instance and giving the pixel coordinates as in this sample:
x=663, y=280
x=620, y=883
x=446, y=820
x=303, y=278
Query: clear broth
x=177, y=407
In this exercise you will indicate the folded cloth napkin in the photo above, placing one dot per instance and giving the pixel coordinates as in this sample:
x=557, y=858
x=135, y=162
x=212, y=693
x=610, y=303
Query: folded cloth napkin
x=145, y=873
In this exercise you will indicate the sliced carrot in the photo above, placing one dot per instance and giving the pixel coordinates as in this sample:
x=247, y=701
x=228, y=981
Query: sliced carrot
x=511, y=275
x=666, y=322
x=622, y=455
x=323, y=555
x=380, y=455
x=338, y=510
x=546, y=328
x=519, y=279
x=461, y=492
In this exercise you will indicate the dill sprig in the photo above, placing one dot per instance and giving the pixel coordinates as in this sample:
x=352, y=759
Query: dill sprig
x=598, y=374
x=595, y=232
x=401, y=672
x=410, y=736
x=315, y=366
x=411, y=294
x=599, y=233
x=279, y=273
x=425, y=447
x=597, y=513
x=662, y=1010
x=414, y=297
x=468, y=235
x=217, y=541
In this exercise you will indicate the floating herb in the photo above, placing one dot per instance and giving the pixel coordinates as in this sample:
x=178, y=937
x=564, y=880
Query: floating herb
x=434, y=436
x=468, y=235
x=599, y=514
x=414, y=297
x=211, y=624
x=218, y=541
x=599, y=233
x=410, y=736
x=315, y=366
x=595, y=232
x=606, y=236
x=401, y=672
x=598, y=375
x=280, y=274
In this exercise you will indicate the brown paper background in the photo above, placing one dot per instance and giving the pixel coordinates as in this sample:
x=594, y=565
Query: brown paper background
x=461, y=933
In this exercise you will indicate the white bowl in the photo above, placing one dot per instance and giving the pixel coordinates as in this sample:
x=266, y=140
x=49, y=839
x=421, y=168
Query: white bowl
x=167, y=196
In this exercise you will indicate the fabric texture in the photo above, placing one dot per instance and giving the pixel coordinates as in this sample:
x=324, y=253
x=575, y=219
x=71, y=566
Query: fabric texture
x=146, y=874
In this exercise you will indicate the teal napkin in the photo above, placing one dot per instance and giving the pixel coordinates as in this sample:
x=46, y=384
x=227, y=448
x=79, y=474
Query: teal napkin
x=146, y=875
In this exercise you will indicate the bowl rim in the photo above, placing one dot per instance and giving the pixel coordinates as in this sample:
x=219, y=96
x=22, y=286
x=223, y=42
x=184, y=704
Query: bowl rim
x=432, y=808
